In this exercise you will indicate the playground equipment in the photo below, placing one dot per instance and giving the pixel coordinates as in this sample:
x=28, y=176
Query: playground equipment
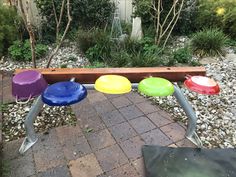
x=70, y=92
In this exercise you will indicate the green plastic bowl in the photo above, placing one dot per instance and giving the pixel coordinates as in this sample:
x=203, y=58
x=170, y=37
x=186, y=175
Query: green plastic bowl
x=156, y=86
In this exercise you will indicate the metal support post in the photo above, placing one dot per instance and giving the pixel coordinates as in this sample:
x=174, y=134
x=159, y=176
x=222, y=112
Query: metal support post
x=31, y=137
x=192, y=118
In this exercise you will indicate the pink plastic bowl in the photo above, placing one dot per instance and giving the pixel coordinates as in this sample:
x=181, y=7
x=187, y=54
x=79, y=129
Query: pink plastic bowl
x=28, y=84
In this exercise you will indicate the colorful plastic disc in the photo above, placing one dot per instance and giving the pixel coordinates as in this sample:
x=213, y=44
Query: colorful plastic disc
x=202, y=85
x=155, y=86
x=64, y=93
x=113, y=84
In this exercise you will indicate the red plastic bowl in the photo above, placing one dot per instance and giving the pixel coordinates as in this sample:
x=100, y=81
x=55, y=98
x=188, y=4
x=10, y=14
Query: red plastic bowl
x=202, y=85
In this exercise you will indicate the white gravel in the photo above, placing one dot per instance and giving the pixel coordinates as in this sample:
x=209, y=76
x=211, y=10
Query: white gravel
x=67, y=56
x=15, y=114
x=216, y=124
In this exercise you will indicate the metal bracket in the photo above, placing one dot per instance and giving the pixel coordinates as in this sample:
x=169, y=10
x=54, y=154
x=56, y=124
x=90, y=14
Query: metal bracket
x=192, y=118
x=31, y=137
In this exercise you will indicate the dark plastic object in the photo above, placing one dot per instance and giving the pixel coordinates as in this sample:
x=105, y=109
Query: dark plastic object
x=188, y=162
x=28, y=84
x=64, y=93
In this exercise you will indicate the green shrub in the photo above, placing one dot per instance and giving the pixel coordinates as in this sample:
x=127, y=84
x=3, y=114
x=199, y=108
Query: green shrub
x=88, y=38
x=9, y=21
x=208, y=42
x=85, y=13
x=184, y=25
x=96, y=64
x=21, y=51
x=217, y=14
x=182, y=55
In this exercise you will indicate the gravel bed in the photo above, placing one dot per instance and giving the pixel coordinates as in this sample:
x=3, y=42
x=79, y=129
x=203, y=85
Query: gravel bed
x=15, y=114
x=67, y=56
x=216, y=124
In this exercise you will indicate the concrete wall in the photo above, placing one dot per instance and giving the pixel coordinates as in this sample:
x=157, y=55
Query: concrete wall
x=125, y=9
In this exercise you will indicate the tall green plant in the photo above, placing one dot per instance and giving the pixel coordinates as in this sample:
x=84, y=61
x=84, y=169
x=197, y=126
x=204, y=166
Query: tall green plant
x=208, y=42
x=9, y=20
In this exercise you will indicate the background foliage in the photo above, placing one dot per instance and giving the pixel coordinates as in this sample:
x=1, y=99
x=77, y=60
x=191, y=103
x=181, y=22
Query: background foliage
x=20, y=51
x=217, y=14
x=85, y=13
x=208, y=42
x=9, y=22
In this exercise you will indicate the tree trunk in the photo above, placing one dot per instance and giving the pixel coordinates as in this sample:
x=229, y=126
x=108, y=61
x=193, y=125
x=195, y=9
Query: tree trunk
x=25, y=16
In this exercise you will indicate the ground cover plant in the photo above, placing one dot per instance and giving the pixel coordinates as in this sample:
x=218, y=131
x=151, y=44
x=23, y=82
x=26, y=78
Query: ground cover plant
x=208, y=42
x=20, y=51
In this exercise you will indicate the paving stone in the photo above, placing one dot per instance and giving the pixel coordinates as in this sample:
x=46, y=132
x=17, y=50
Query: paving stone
x=122, y=131
x=174, y=131
x=86, y=166
x=111, y=96
x=156, y=137
x=104, y=107
x=147, y=107
x=81, y=105
x=11, y=150
x=124, y=171
x=66, y=132
x=76, y=147
x=158, y=119
x=84, y=111
x=130, y=112
x=111, y=157
x=46, y=140
x=48, y=147
x=185, y=143
x=135, y=97
x=95, y=123
x=142, y=124
x=22, y=166
x=165, y=114
x=96, y=97
x=99, y=140
x=112, y=118
x=120, y=102
x=132, y=147
x=59, y=171
x=139, y=166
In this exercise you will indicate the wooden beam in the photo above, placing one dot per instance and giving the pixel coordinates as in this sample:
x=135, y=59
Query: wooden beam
x=135, y=75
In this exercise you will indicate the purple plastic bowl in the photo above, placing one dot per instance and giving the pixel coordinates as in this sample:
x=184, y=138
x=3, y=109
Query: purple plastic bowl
x=28, y=84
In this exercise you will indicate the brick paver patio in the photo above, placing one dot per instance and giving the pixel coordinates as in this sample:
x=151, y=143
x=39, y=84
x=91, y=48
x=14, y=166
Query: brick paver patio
x=120, y=125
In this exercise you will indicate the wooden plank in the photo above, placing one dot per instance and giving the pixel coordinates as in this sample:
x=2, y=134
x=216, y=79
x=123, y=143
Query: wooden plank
x=89, y=75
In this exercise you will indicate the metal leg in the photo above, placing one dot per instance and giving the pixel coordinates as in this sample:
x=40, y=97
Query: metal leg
x=31, y=137
x=192, y=118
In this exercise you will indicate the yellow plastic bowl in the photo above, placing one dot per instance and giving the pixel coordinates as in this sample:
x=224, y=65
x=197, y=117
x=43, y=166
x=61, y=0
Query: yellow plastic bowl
x=113, y=84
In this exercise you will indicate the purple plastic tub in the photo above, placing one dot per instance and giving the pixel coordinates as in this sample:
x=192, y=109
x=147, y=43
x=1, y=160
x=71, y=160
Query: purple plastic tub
x=28, y=84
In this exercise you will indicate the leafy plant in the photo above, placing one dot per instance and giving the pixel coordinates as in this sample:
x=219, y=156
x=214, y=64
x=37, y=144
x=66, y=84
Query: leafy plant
x=9, y=22
x=182, y=55
x=96, y=64
x=208, y=42
x=20, y=51
x=85, y=13
x=217, y=14
x=63, y=65
x=86, y=39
